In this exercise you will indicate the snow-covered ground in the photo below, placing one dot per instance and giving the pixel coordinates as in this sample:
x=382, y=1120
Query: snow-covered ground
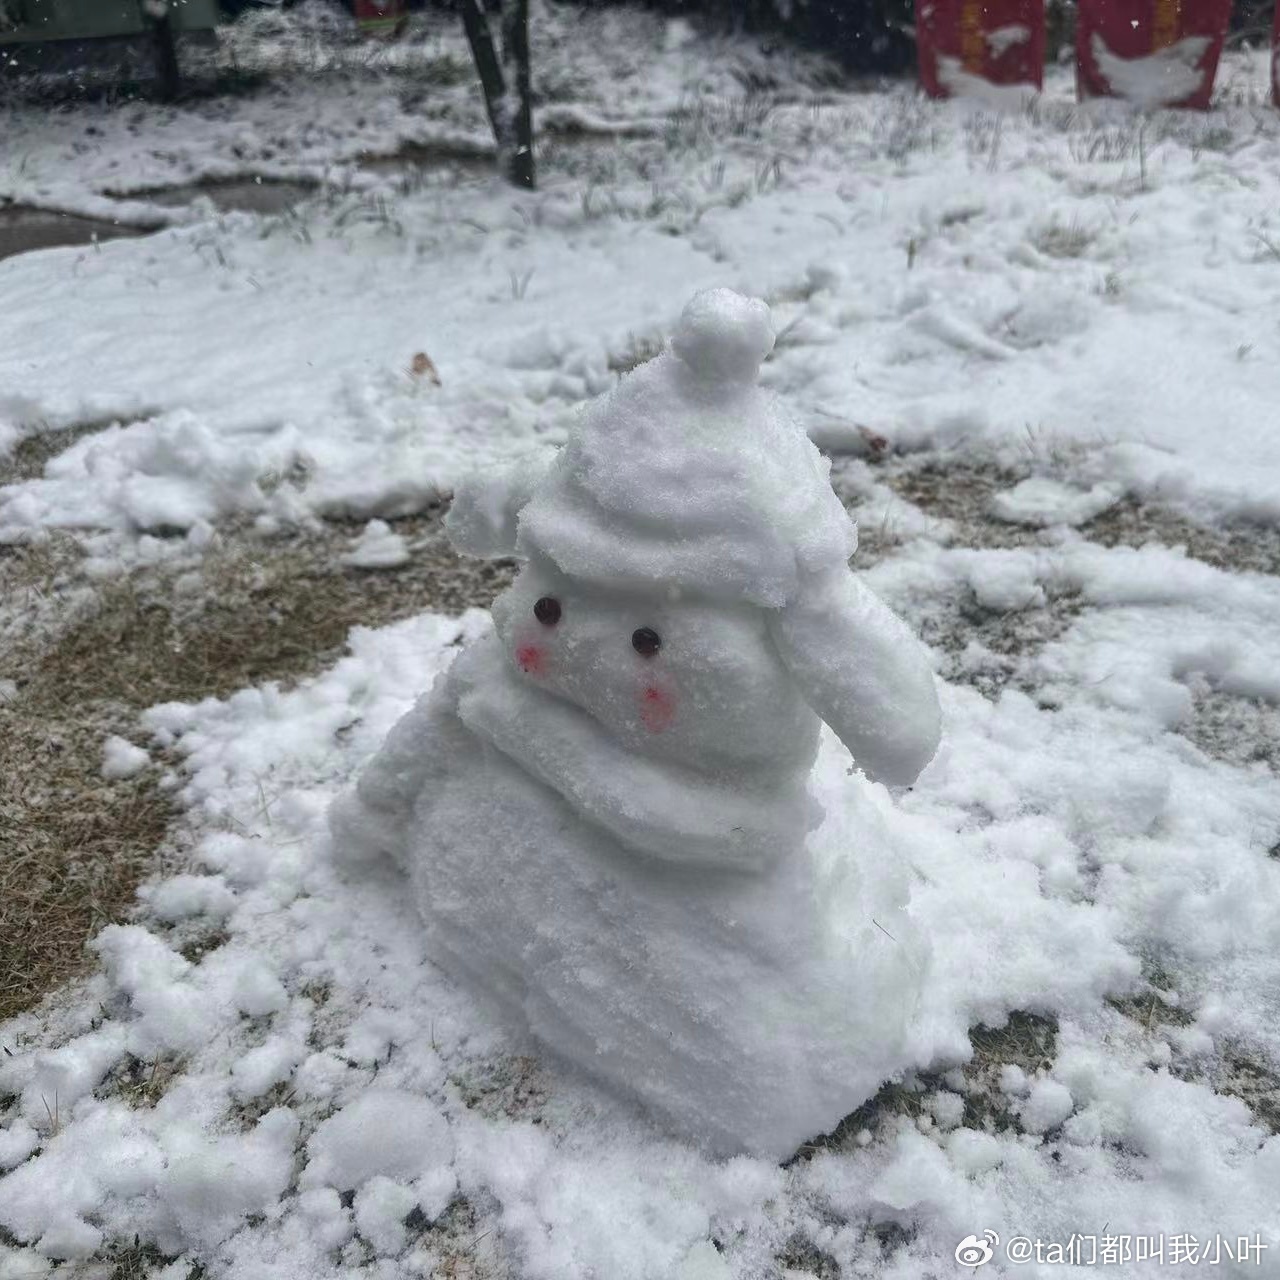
x=308, y=100
x=1013, y=333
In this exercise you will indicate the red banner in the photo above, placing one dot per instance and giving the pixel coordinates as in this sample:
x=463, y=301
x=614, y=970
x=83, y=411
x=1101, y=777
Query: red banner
x=1153, y=53
x=965, y=43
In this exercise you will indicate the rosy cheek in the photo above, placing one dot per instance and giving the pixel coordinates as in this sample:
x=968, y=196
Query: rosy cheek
x=531, y=659
x=657, y=707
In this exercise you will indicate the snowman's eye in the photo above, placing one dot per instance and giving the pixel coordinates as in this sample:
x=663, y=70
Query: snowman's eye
x=646, y=641
x=547, y=611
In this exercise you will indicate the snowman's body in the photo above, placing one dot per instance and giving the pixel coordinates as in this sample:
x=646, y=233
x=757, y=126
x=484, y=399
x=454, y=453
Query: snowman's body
x=603, y=804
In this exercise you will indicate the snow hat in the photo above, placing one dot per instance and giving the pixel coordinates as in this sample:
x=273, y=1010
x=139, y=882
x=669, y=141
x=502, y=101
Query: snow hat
x=688, y=478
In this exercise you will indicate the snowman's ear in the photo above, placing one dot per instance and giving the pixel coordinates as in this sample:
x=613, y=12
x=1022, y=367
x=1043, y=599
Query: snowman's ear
x=860, y=668
x=486, y=506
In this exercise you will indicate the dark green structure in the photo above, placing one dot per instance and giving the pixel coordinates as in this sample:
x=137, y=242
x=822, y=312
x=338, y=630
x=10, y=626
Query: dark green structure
x=78, y=40
x=23, y=21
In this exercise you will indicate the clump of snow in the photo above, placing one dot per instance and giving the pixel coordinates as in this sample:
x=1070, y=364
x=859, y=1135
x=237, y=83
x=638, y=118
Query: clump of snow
x=1230, y=666
x=211, y=1185
x=1041, y=501
x=1047, y=1105
x=947, y=1108
x=1013, y=1080
x=70, y=1239
x=678, y=34
x=257, y=991
x=17, y=1142
x=323, y=1213
x=975, y=1153
x=704, y=1262
x=1008, y=584
x=381, y=1206
x=377, y=547
x=121, y=759
x=482, y=517
x=172, y=1014
x=383, y=1134
x=184, y=896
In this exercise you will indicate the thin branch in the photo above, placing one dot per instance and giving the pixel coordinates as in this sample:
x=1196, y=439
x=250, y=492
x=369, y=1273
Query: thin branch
x=486, y=59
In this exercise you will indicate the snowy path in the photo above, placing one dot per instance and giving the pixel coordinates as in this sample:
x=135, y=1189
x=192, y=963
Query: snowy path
x=1049, y=356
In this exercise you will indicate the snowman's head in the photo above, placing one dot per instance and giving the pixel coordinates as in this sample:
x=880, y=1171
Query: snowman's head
x=686, y=580
x=688, y=680
x=684, y=509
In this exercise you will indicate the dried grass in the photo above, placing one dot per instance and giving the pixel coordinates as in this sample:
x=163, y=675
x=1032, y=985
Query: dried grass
x=27, y=459
x=1244, y=546
x=73, y=845
x=141, y=1083
x=961, y=491
x=1057, y=239
x=1255, y=1082
x=138, y=1261
x=1026, y=1040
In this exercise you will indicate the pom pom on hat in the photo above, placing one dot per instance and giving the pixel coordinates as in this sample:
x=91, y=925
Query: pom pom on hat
x=688, y=479
x=723, y=337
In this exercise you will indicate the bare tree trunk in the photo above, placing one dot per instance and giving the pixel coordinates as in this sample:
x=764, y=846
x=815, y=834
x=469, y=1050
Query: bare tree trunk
x=511, y=121
x=486, y=59
x=166, y=51
x=515, y=53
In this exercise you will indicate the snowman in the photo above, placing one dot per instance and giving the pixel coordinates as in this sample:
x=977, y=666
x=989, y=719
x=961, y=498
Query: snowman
x=603, y=806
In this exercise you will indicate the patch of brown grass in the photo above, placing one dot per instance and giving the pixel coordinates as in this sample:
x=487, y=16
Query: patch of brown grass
x=1256, y=1083
x=28, y=457
x=1241, y=730
x=1236, y=1071
x=801, y=1254
x=1063, y=240
x=1147, y=1006
x=262, y=613
x=137, y=1261
x=505, y=1087
x=465, y=1247
x=1238, y=547
x=962, y=492
x=245, y=1115
x=141, y=1083
x=950, y=489
x=76, y=845
x=1026, y=1040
